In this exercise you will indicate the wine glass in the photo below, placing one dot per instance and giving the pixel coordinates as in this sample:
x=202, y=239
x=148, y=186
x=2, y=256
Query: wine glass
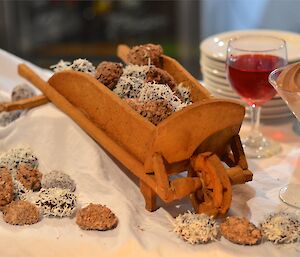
x=250, y=59
x=290, y=193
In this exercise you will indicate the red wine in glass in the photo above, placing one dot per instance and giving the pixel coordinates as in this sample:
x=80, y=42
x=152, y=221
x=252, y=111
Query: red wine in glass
x=248, y=75
x=250, y=60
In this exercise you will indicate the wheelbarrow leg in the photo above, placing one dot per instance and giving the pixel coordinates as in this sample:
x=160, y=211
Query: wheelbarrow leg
x=149, y=196
x=238, y=152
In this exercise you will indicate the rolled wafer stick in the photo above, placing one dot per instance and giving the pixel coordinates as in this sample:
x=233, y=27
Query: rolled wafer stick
x=24, y=103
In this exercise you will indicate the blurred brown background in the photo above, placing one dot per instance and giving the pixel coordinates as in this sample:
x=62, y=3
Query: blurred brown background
x=45, y=31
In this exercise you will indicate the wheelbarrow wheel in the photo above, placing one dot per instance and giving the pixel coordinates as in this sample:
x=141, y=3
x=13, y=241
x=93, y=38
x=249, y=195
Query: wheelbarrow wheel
x=214, y=197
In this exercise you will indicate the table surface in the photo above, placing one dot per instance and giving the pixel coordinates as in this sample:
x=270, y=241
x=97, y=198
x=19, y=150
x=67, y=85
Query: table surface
x=61, y=145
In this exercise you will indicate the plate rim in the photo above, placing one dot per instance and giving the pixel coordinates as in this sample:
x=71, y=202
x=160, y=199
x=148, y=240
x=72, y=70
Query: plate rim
x=215, y=37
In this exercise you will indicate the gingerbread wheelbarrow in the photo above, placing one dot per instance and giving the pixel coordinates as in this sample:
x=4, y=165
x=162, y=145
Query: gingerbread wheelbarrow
x=182, y=156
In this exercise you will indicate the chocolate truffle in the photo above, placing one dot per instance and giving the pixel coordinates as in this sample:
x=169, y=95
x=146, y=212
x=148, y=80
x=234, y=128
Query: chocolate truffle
x=108, y=73
x=96, y=217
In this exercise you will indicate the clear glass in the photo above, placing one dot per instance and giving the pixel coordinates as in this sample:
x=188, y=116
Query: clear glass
x=250, y=59
x=289, y=193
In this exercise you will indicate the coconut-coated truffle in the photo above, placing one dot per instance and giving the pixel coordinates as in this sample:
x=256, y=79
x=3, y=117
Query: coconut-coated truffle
x=56, y=202
x=21, y=91
x=8, y=117
x=15, y=157
x=281, y=228
x=58, y=179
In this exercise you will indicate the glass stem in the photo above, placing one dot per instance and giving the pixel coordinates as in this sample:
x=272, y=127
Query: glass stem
x=255, y=121
x=255, y=139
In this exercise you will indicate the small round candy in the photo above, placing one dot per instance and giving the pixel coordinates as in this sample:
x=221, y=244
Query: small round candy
x=96, y=217
x=109, y=73
x=22, y=91
x=8, y=117
x=58, y=179
x=145, y=55
x=281, y=228
x=56, y=202
x=6, y=187
x=21, y=213
x=29, y=178
x=240, y=230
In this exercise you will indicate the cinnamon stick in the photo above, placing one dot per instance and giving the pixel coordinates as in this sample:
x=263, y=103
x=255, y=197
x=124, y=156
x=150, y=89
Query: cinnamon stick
x=24, y=103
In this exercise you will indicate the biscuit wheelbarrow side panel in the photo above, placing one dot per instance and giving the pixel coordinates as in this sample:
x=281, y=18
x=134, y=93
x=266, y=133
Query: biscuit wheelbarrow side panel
x=182, y=133
x=105, y=109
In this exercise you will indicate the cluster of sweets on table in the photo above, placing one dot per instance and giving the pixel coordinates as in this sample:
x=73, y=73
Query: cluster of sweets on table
x=278, y=228
x=19, y=92
x=27, y=195
x=148, y=89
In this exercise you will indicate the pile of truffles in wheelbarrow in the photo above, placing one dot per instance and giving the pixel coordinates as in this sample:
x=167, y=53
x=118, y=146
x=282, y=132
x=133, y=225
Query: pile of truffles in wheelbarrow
x=148, y=89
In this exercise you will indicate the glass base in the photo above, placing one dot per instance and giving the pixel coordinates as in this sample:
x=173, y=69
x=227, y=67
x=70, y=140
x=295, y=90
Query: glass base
x=260, y=147
x=290, y=195
x=296, y=127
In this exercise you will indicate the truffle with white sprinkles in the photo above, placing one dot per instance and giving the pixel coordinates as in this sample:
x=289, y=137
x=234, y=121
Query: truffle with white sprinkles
x=135, y=71
x=19, y=92
x=195, y=228
x=56, y=202
x=131, y=82
x=19, y=190
x=281, y=228
x=153, y=91
x=82, y=65
x=22, y=91
x=183, y=93
x=15, y=157
x=61, y=66
x=152, y=100
x=58, y=179
x=8, y=117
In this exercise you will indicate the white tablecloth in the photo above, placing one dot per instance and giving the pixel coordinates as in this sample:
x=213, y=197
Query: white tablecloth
x=61, y=144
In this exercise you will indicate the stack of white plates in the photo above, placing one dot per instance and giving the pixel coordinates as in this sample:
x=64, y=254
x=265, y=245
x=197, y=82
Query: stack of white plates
x=213, y=67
